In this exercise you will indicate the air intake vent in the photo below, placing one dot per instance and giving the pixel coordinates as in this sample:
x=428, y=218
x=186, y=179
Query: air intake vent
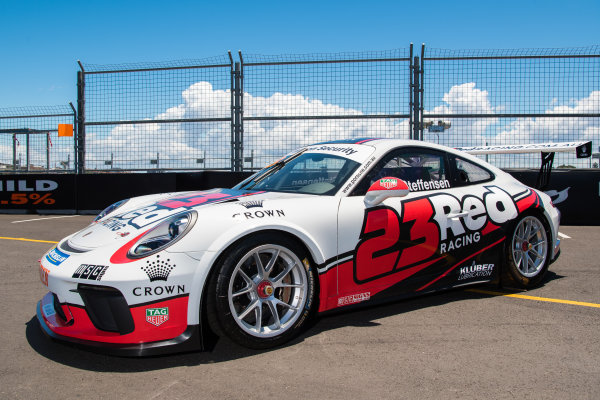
x=107, y=308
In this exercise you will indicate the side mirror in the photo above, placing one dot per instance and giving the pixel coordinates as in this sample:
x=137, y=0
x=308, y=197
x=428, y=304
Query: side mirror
x=385, y=188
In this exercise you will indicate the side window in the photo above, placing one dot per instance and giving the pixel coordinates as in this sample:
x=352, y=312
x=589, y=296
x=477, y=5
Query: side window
x=421, y=169
x=469, y=173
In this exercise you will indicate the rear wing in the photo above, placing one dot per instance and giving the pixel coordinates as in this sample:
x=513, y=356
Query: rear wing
x=547, y=150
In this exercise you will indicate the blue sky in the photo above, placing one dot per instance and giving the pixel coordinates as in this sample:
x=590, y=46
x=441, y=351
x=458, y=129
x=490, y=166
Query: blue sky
x=41, y=41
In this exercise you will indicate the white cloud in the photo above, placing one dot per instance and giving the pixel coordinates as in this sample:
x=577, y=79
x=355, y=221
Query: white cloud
x=552, y=129
x=464, y=99
x=180, y=144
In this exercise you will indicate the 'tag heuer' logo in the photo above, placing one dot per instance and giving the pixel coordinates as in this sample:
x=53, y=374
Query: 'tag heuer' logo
x=388, y=183
x=157, y=316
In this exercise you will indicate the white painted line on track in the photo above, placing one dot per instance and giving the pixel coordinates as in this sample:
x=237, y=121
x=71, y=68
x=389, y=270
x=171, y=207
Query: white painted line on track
x=42, y=219
x=562, y=235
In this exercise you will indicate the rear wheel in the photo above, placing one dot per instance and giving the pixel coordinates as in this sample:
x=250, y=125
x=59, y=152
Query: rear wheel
x=528, y=255
x=263, y=291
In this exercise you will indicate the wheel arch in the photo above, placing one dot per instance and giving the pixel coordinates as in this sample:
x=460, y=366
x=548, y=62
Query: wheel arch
x=544, y=217
x=218, y=257
x=538, y=212
x=225, y=241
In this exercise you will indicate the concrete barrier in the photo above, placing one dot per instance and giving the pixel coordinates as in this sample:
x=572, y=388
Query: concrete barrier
x=575, y=192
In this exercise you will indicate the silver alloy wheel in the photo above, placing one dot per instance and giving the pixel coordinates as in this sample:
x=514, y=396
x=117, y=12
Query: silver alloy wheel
x=267, y=291
x=529, y=247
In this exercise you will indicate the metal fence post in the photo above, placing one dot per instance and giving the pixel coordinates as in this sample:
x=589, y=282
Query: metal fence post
x=14, y=152
x=241, y=112
x=232, y=116
x=411, y=118
x=421, y=89
x=80, y=141
x=416, y=106
x=27, y=151
x=48, y=151
x=237, y=120
x=75, y=130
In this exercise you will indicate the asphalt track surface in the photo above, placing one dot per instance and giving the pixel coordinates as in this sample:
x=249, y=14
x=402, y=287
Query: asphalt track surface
x=458, y=344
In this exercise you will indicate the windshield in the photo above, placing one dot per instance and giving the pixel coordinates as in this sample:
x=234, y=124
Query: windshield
x=310, y=173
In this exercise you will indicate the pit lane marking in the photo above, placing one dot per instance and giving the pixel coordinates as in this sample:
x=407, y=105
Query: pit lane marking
x=27, y=240
x=42, y=219
x=562, y=235
x=526, y=297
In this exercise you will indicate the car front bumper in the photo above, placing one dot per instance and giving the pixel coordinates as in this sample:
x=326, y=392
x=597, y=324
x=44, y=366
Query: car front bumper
x=56, y=327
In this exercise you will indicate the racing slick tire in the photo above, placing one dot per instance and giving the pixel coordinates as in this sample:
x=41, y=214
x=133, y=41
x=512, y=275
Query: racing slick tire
x=528, y=251
x=262, y=292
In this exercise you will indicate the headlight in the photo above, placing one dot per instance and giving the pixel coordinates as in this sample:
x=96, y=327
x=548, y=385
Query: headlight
x=163, y=235
x=110, y=209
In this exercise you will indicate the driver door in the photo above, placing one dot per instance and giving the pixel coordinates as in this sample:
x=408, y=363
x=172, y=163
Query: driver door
x=392, y=248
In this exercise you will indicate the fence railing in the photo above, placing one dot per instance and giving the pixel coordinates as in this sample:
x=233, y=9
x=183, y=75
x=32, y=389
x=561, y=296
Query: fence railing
x=157, y=116
x=242, y=111
x=292, y=101
x=499, y=97
x=30, y=140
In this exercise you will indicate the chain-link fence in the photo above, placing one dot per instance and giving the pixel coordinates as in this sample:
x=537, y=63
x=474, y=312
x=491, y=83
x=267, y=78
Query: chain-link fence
x=30, y=141
x=497, y=97
x=244, y=111
x=221, y=114
x=157, y=116
x=292, y=101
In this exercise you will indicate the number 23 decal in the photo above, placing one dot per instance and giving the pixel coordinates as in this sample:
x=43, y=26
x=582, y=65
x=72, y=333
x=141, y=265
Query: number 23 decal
x=389, y=243
x=429, y=226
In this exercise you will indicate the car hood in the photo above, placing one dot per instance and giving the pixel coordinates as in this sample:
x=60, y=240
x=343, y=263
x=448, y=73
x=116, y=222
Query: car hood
x=140, y=214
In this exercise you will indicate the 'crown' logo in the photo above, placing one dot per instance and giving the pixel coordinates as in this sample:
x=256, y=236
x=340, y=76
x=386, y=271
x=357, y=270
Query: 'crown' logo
x=252, y=204
x=158, y=270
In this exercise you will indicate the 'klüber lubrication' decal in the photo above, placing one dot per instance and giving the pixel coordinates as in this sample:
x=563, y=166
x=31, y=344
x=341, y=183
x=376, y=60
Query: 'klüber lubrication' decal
x=431, y=237
x=475, y=271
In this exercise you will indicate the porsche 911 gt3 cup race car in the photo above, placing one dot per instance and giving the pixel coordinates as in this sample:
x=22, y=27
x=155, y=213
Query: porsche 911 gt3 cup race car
x=332, y=225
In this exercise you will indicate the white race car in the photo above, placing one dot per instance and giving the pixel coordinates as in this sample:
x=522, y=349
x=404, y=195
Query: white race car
x=332, y=225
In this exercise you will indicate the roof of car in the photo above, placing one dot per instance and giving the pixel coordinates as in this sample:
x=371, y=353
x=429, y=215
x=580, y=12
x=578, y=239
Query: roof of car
x=387, y=144
x=377, y=142
x=384, y=143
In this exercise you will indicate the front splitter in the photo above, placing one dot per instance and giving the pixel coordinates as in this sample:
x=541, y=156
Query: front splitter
x=189, y=340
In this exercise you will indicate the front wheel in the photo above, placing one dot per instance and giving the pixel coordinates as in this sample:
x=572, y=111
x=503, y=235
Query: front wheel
x=262, y=292
x=528, y=254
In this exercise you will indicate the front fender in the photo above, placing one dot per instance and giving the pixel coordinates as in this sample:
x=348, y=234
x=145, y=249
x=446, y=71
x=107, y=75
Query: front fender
x=207, y=259
x=237, y=232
